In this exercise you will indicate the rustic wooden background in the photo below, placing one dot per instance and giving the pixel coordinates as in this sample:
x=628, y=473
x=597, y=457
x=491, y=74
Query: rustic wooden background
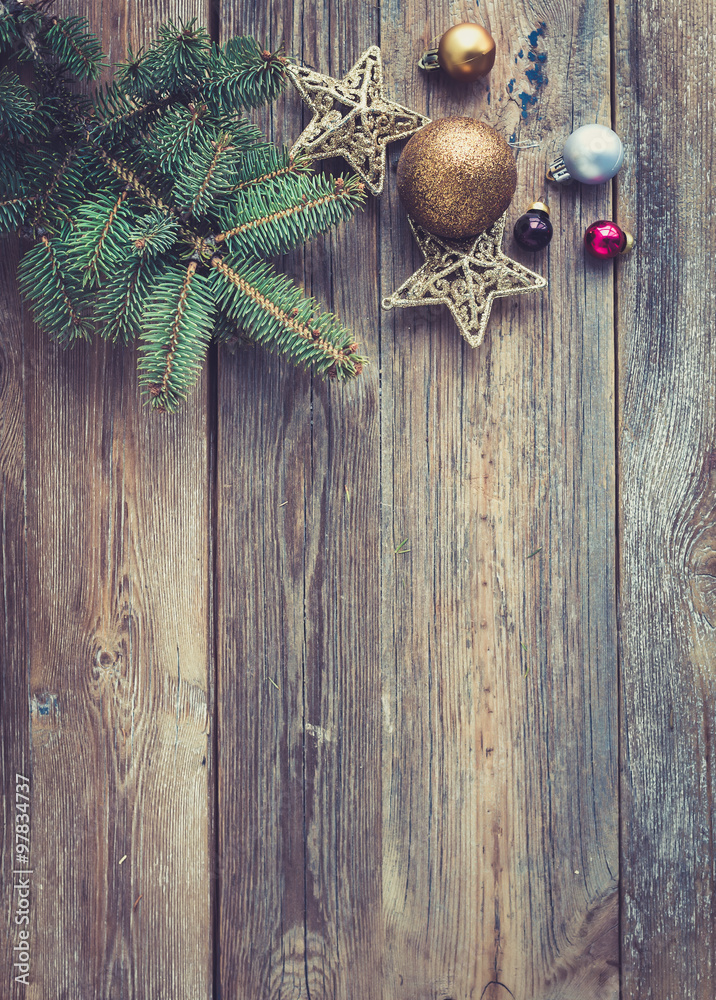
x=274, y=759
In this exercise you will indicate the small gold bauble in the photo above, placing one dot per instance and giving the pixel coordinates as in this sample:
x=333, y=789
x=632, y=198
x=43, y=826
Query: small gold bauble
x=456, y=177
x=466, y=52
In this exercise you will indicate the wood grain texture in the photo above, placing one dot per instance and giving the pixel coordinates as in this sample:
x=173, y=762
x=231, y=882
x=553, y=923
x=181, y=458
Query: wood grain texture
x=117, y=616
x=667, y=484
x=499, y=642
x=299, y=692
x=14, y=676
x=418, y=750
x=417, y=775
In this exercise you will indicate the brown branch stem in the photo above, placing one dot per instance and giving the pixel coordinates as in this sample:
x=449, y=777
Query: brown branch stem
x=292, y=168
x=274, y=216
x=157, y=390
x=106, y=228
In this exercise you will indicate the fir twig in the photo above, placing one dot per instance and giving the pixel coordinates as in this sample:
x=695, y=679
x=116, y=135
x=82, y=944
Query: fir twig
x=294, y=165
x=119, y=303
x=53, y=294
x=123, y=189
x=306, y=206
x=308, y=343
x=129, y=177
x=98, y=241
x=118, y=111
x=15, y=201
x=73, y=43
x=16, y=107
x=245, y=75
x=177, y=326
x=163, y=386
x=56, y=177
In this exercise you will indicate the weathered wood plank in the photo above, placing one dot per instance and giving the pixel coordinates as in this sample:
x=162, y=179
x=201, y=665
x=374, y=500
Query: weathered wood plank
x=491, y=856
x=14, y=622
x=667, y=444
x=499, y=646
x=298, y=465
x=118, y=606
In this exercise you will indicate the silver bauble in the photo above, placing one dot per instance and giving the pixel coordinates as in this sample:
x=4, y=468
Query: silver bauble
x=592, y=155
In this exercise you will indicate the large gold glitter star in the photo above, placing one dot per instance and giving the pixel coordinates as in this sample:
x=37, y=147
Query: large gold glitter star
x=466, y=276
x=360, y=130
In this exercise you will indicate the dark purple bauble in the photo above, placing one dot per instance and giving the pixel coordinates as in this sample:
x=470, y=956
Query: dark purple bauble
x=533, y=230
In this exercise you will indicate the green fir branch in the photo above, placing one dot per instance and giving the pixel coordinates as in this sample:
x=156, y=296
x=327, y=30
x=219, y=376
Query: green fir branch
x=176, y=329
x=180, y=58
x=138, y=75
x=9, y=31
x=75, y=46
x=130, y=177
x=174, y=136
x=267, y=165
x=65, y=177
x=16, y=194
x=273, y=221
x=13, y=209
x=16, y=108
x=120, y=186
x=210, y=175
x=154, y=235
x=47, y=280
x=118, y=113
x=122, y=299
x=100, y=238
x=183, y=136
x=242, y=74
x=277, y=314
x=49, y=166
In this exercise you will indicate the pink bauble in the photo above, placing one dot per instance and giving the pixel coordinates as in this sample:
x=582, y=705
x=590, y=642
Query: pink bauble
x=605, y=239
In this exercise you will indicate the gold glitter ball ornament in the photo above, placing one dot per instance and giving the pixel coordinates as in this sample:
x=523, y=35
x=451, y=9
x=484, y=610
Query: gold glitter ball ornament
x=456, y=177
x=466, y=52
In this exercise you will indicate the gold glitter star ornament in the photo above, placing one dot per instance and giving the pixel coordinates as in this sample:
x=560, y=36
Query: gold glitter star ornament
x=352, y=117
x=466, y=276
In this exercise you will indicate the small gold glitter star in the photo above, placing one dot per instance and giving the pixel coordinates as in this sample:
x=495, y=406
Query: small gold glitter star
x=466, y=276
x=360, y=130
